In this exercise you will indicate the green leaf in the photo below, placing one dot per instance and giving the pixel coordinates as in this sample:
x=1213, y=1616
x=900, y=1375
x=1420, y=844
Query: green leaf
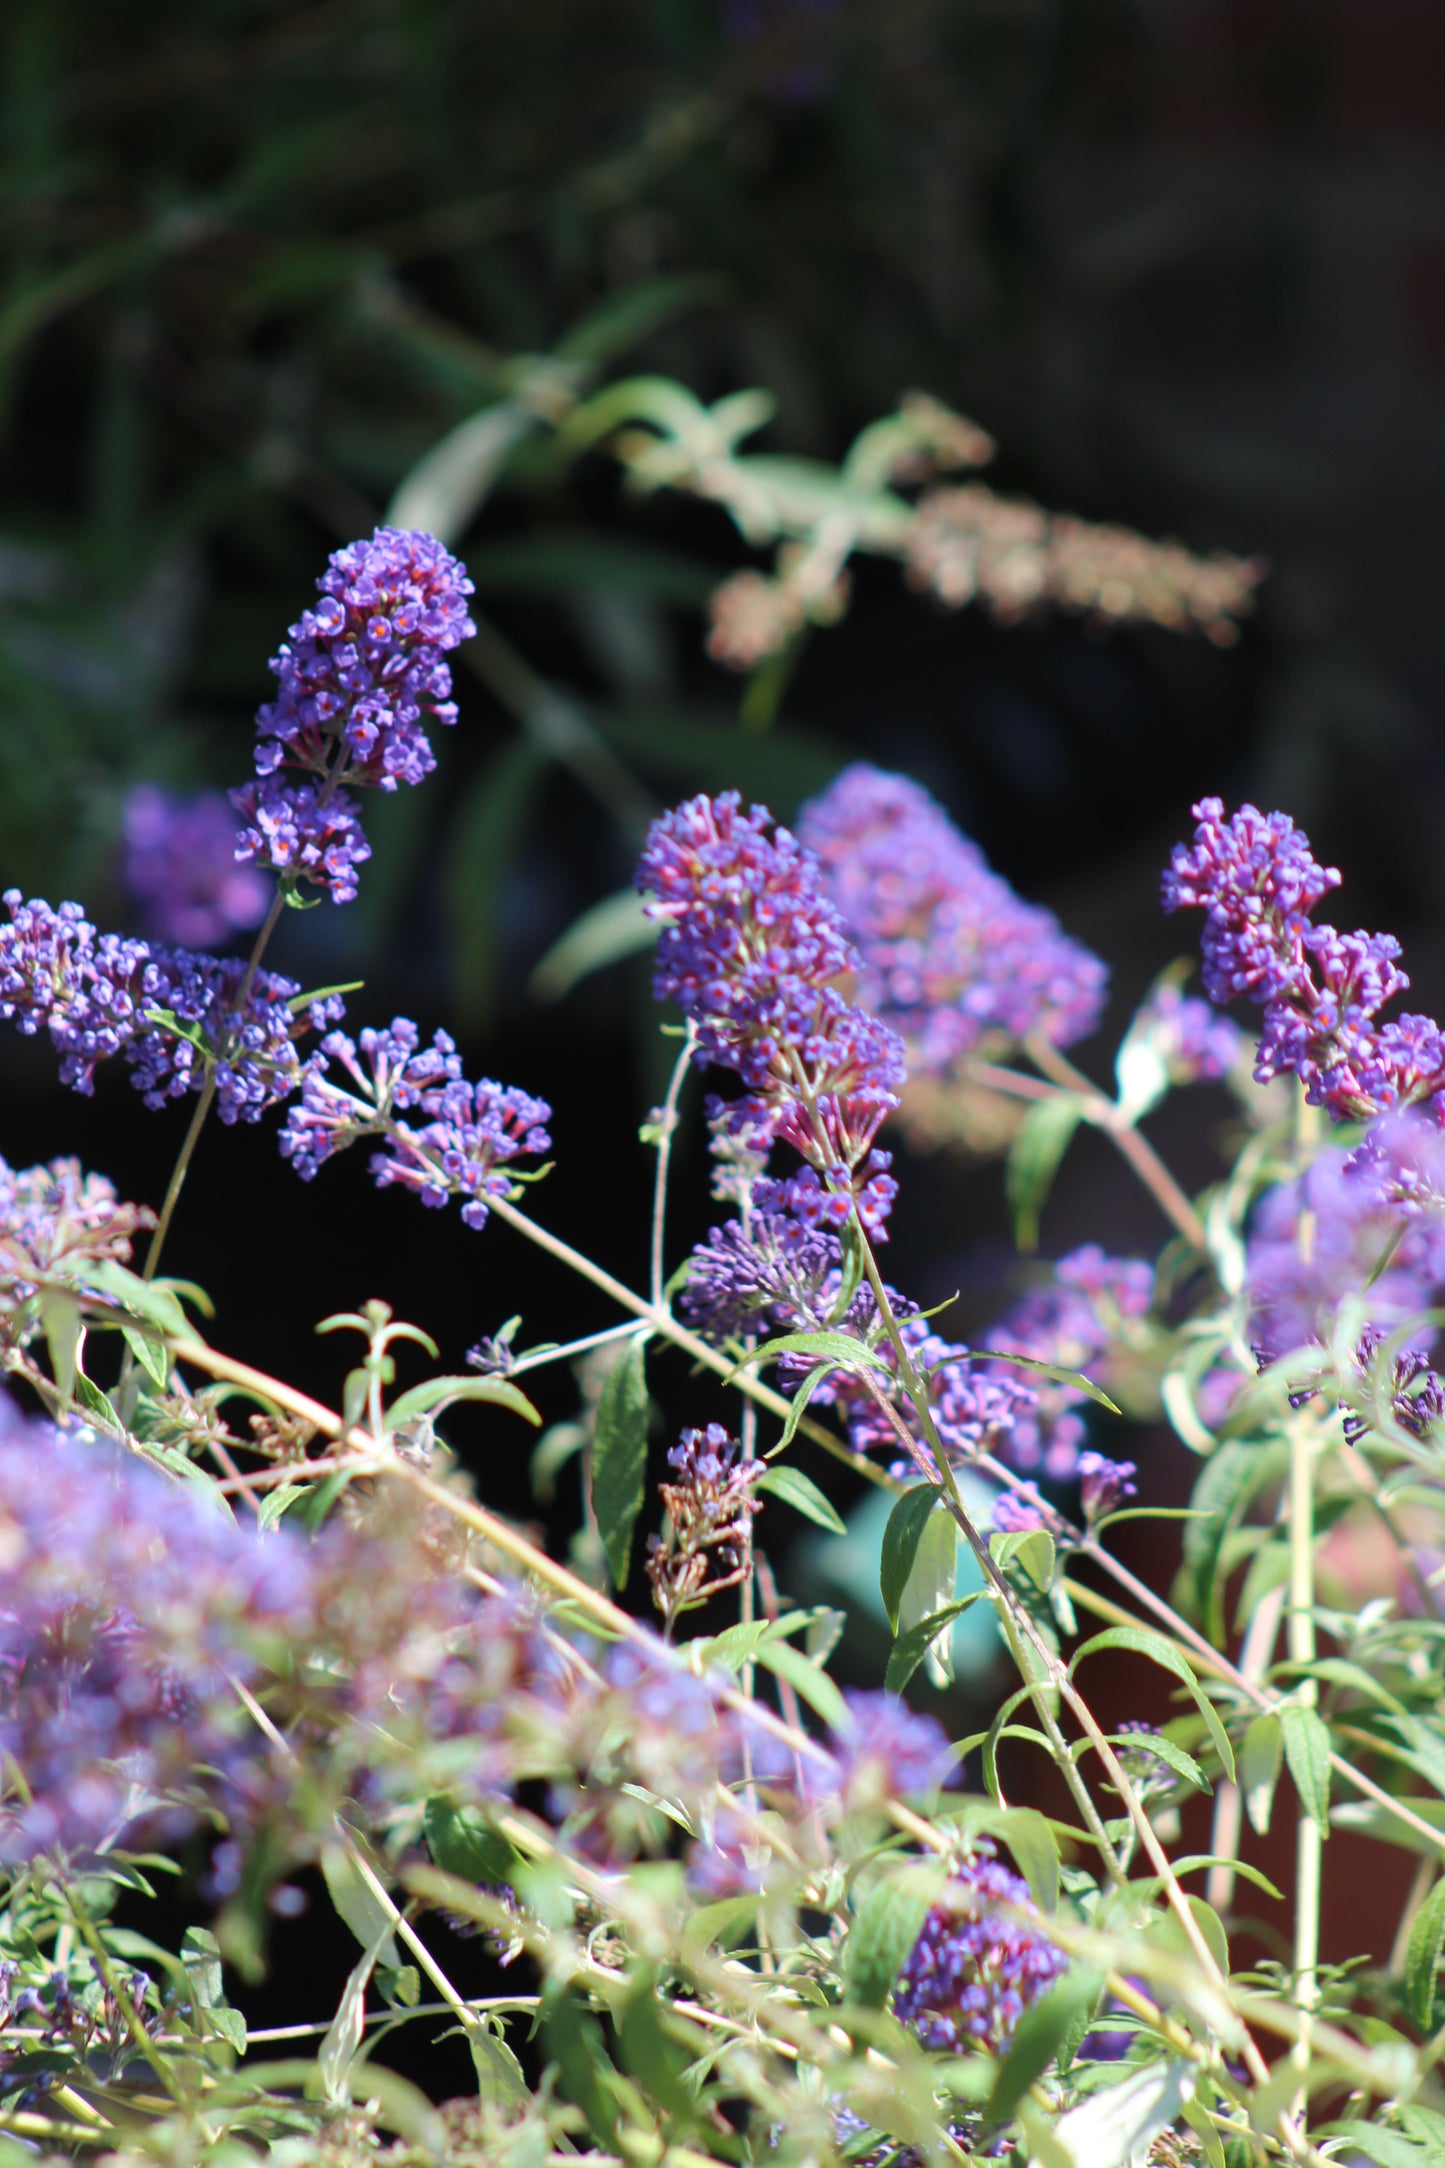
x=1260, y=1757
x=844, y=1352
x=150, y=1353
x=357, y=1903
x=201, y=1956
x=1117, y=2126
x=97, y=1405
x=619, y=1456
x=910, y=1648
x=1229, y=1479
x=655, y=2048
x=900, y=1543
x=1041, y=2032
x=1422, y=1959
x=1030, y=1548
x=1385, y=2147
x=439, y=1392
x=1307, y=1750
x=798, y=1405
x=275, y=1503
x=486, y=841
x=450, y=483
x=806, y=1679
x=1058, y=1373
x=803, y=1495
x=606, y=934
x=1041, y=1141
x=1159, y=1651
x=573, y=2040
x=932, y=1583
x=461, y=1844
x=338, y=2050
x=888, y=1924
x=60, y=1315
x=500, y=2077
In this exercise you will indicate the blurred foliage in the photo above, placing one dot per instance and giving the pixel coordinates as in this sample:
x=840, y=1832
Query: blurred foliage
x=269, y=263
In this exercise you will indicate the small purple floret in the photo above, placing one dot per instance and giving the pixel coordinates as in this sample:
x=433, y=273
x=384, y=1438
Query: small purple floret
x=974, y=1970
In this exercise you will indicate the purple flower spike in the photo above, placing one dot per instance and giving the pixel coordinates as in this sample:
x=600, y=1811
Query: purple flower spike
x=949, y=955
x=749, y=947
x=363, y=672
x=179, y=862
x=974, y=1970
x=366, y=663
x=99, y=995
x=468, y=1130
x=1256, y=882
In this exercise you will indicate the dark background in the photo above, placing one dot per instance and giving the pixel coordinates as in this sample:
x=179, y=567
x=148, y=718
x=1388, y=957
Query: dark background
x=1186, y=262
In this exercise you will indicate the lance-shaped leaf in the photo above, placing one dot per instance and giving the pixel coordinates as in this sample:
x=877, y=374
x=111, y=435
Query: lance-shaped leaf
x=619, y=1456
x=803, y=1495
x=441, y=1392
x=1043, y=1138
x=1422, y=1959
x=1307, y=1750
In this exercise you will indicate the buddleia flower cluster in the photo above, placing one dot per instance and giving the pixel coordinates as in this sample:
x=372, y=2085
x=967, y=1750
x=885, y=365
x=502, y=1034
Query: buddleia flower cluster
x=947, y=953
x=749, y=950
x=131, y=1609
x=459, y=1138
x=178, y=865
x=981, y=1960
x=357, y=681
x=1257, y=882
x=174, y=1017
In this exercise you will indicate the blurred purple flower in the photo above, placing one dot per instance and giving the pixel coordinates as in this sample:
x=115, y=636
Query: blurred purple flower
x=949, y=955
x=129, y=1606
x=1072, y=1321
x=179, y=863
x=1316, y=1241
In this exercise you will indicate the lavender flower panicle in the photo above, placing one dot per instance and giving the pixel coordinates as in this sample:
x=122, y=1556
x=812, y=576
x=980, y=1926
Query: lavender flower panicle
x=748, y=949
x=885, y=1751
x=975, y=1968
x=1319, y=1241
x=469, y=1130
x=178, y=861
x=948, y=954
x=128, y=1607
x=1257, y=882
x=360, y=672
x=99, y=995
x=1072, y=1321
x=1104, y=1485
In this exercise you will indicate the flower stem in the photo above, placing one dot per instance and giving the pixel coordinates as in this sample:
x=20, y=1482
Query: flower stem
x=204, y=1104
x=1099, y=1109
x=1308, y=1846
